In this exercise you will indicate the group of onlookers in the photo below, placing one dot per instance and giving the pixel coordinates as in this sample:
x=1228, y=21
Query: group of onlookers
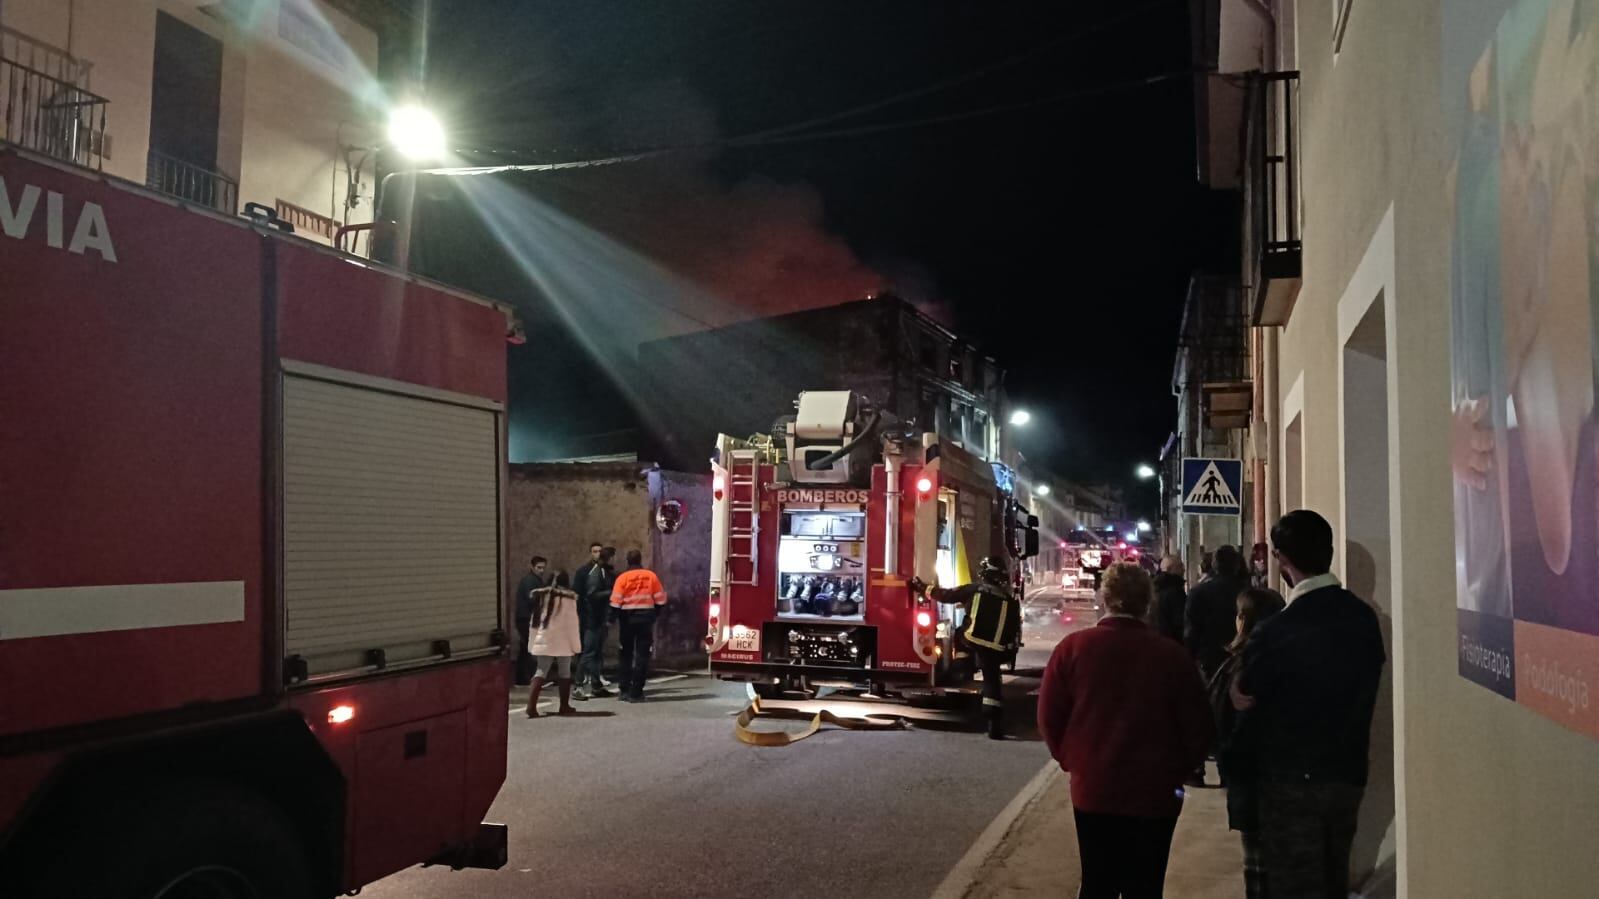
x=562, y=621
x=1280, y=691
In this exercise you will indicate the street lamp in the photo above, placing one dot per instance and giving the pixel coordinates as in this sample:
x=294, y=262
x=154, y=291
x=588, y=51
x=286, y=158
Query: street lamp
x=1041, y=490
x=1143, y=526
x=1021, y=417
x=416, y=133
x=1145, y=472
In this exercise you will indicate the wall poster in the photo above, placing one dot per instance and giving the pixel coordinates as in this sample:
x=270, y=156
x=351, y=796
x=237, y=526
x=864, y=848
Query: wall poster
x=1519, y=78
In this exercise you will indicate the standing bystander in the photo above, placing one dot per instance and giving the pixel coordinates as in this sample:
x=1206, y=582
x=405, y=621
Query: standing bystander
x=1124, y=713
x=1211, y=607
x=1171, y=596
x=523, y=613
x=1307, y=693
x=636, y=598
x=555, y=640
x=593, y=585
x=1237, y=764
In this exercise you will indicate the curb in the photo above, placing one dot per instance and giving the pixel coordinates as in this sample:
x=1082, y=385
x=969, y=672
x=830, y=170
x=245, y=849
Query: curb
x=960, y=879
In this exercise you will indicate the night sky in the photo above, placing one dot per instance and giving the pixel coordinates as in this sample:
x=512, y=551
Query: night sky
x=1058, y=233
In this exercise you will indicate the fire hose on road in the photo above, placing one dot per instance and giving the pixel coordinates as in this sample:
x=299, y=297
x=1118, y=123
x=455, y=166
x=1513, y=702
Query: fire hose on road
x=747, y=734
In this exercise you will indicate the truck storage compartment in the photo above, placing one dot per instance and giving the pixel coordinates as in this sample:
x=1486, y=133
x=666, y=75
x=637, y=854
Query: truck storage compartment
x=390, y=524
x=821, y=563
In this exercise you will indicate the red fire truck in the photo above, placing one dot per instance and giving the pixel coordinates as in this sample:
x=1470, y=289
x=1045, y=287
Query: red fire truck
x=252, y=629
x=816, y=531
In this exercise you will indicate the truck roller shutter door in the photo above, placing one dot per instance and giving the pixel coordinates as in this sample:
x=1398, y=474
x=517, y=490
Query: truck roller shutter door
x=390, y=525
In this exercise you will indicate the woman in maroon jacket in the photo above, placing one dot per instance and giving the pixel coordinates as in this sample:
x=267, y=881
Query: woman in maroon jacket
x=1124, y=712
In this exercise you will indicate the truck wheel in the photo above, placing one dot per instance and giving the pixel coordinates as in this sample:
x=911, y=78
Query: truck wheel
x=192, y=840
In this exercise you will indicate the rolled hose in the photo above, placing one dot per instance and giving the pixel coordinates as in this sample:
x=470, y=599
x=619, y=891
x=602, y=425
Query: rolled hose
x=827, y=461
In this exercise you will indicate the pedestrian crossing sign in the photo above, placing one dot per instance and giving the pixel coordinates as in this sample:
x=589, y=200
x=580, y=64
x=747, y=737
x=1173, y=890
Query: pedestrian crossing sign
x=1213, y=486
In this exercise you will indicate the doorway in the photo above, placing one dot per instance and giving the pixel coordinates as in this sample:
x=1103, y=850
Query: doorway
x=1368, y=570
x=185, y=112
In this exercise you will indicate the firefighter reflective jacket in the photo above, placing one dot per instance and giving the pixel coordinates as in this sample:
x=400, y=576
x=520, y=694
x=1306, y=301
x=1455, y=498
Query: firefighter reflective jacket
x=993, y=617
x=637, y=588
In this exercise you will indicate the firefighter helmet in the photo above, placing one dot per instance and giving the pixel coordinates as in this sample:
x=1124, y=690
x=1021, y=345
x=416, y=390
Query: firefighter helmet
x=992, y=569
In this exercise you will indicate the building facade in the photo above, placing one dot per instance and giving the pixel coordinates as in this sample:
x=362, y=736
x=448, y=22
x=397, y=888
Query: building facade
x=1418, y=182
x=218, y=104
x=908, y=364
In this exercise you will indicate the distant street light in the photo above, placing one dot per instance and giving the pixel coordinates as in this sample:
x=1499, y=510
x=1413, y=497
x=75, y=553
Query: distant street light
x=1021, y=417
x=1145, y=472
x=1041, y=490
x=416, y=133
x=1143, y=526
x=1132, y=536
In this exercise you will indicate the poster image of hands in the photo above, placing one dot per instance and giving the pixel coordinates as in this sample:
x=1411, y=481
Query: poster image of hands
x=1525, y=264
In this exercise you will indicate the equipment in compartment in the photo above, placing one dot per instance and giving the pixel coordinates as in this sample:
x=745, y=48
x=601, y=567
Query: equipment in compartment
x=822, y=562
x=827, y=596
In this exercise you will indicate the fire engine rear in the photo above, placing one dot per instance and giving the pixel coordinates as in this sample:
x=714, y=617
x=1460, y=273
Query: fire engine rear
x=816, y=530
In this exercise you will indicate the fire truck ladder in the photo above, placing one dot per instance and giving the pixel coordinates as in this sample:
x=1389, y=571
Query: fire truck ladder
x=744, y=520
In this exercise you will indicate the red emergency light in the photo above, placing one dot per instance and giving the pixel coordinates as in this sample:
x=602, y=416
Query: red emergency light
x=716, y=487
x=924, y=619
x=924, y=486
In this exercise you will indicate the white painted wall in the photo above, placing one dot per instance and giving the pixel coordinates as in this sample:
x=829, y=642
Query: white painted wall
x=1492, y=800
x=281, y=107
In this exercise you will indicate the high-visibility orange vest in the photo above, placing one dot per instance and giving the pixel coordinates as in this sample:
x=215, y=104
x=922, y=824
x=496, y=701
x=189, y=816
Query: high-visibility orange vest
x=638, y=588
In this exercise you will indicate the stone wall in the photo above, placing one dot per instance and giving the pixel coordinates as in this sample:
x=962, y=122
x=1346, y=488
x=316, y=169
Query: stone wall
x=556, y=509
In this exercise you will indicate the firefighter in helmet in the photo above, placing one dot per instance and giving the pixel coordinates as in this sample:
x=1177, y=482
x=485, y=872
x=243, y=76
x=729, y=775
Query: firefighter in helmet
x=992, y=632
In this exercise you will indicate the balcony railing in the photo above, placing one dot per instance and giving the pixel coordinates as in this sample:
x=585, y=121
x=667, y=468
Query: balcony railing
x=191, y=183
x=1212, y=353
x=1272, y=249
x=48, y=115
x=26, y=50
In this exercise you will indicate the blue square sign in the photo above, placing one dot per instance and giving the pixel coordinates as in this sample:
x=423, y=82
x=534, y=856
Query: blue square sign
x=1213, y=486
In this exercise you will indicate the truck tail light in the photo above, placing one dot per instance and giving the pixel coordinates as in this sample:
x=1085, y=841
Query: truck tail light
x=924, y=486
x=924, y=619
x=717, y=487
x=713, y=620
x=341, y=714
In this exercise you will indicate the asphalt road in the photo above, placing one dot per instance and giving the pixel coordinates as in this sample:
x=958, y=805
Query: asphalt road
x=660, y=799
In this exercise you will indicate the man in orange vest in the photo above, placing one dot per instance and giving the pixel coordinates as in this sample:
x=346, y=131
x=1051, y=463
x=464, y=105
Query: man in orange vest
x=636, y=600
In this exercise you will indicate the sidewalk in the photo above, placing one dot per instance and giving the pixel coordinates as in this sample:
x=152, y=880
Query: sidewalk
x=1038, y=854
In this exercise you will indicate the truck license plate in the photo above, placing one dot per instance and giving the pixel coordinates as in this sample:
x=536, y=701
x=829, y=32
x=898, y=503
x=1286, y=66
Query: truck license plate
x=744, y=639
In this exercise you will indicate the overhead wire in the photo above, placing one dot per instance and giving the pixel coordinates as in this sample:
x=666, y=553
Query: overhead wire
x=957, y=80
x=786, y=133
x=777, y=140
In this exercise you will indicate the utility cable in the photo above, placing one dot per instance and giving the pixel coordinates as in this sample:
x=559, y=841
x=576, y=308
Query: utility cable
x=776, y=140
x=957, y=80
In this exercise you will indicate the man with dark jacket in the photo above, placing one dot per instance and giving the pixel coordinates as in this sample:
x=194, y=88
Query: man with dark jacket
x=592, y=584
x=1307, y=694
x=1171, y=598
x=1210, y=616
x=524, y=612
